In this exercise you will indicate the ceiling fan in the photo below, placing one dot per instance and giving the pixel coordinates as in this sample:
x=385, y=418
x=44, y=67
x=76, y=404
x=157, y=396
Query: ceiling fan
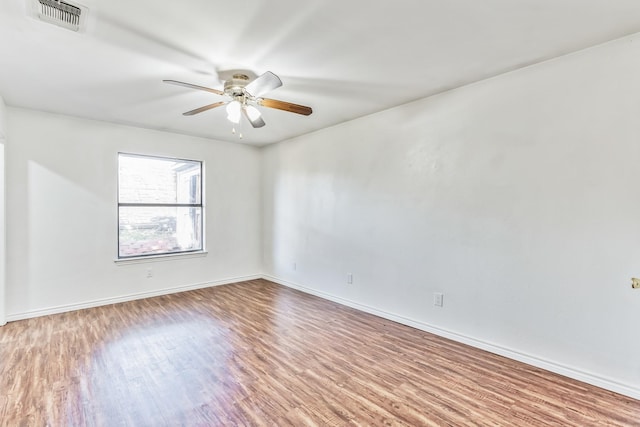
x=245, y=96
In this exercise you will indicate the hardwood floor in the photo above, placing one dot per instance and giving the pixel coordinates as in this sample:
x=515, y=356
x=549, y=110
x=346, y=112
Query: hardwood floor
x=256, y=353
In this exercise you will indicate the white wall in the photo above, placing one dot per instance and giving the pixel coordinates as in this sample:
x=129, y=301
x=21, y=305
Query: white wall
x=517, y=197
x=62, y=216
x=3, y=119
x=3, y=126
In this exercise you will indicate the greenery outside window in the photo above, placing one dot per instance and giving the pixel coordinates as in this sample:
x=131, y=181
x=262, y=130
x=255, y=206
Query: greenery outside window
x=159, y=206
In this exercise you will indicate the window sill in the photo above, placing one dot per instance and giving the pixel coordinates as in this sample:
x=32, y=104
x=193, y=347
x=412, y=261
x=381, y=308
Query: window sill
x=160, y=258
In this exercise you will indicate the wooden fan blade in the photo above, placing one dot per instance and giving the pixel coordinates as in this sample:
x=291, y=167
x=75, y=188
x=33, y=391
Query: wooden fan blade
x=189, y=85
x=263, y=84
x=286, y=106
x=205, y=108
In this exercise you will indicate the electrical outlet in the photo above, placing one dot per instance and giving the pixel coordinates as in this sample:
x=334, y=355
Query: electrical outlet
x=149, y=273
x=295, y=266
x=350, y=278
x=438, y=299
x=635, y=283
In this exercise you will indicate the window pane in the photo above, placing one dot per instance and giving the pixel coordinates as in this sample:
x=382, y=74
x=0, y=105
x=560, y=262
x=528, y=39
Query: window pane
x=158, y=180
x=159, y=230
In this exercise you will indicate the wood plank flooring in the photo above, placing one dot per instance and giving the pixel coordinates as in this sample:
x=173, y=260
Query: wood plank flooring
x=259, y=354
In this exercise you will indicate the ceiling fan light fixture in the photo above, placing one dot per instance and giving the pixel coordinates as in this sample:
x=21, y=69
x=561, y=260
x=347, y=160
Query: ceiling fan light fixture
x=234, y=110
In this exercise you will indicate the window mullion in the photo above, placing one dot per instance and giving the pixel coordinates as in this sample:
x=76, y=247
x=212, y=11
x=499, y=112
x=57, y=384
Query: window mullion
x=160, y=205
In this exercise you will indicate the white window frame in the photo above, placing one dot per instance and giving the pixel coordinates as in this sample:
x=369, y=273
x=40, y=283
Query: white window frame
x=172, y=254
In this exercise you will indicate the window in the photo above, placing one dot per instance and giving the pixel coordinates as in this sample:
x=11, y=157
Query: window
x=159, y=206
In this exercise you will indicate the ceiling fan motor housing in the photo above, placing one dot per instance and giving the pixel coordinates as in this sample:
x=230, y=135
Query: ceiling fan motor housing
x=234, y=87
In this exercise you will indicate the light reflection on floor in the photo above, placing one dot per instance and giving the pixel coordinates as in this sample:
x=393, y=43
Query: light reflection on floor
x=156, y=369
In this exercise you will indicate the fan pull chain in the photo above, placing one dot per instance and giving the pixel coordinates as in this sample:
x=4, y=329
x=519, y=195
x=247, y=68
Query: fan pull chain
x=233, y=131
x=239, y=131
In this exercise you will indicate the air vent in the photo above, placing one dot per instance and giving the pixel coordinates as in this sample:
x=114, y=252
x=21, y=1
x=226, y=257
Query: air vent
x=60, y=13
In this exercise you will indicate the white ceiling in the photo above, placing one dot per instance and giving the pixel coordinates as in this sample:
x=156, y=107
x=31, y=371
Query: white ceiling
x=345, y=59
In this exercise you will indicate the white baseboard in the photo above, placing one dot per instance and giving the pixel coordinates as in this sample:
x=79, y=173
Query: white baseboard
x=125, y=298
x=558, y=368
